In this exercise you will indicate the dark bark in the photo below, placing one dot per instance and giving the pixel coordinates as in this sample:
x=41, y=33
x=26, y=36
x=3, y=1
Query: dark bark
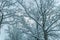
x=37, y=29
x=45, y=35
x=37, y=32
x=45, y=32
x=1, y=19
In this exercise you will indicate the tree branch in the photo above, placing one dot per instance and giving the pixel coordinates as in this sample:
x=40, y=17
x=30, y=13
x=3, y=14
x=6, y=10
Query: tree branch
x=51, y=24
x=51, y=6
x=52, y=28
x=28, y=13
x=54, y=35
x=37, y=7
x=29, y=34
x=1, y=20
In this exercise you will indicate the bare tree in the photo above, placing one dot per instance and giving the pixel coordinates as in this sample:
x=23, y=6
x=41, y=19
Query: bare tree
x=45, y=14
x=4, y=4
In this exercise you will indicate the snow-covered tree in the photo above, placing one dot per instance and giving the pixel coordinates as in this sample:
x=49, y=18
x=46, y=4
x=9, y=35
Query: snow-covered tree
x=46, y=16
x=36, y=20
x=4, y=9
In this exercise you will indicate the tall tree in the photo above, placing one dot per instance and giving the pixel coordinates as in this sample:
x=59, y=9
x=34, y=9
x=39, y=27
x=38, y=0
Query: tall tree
x=45, y=14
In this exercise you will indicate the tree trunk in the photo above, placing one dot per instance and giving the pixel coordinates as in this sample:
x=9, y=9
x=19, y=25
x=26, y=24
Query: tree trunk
x=37, y=29
x=45, y=35
x=37, y=39
x=37, y=32
x=45, y=32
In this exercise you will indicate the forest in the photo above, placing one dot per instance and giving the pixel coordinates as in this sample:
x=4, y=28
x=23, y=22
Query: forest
x=29, y=20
